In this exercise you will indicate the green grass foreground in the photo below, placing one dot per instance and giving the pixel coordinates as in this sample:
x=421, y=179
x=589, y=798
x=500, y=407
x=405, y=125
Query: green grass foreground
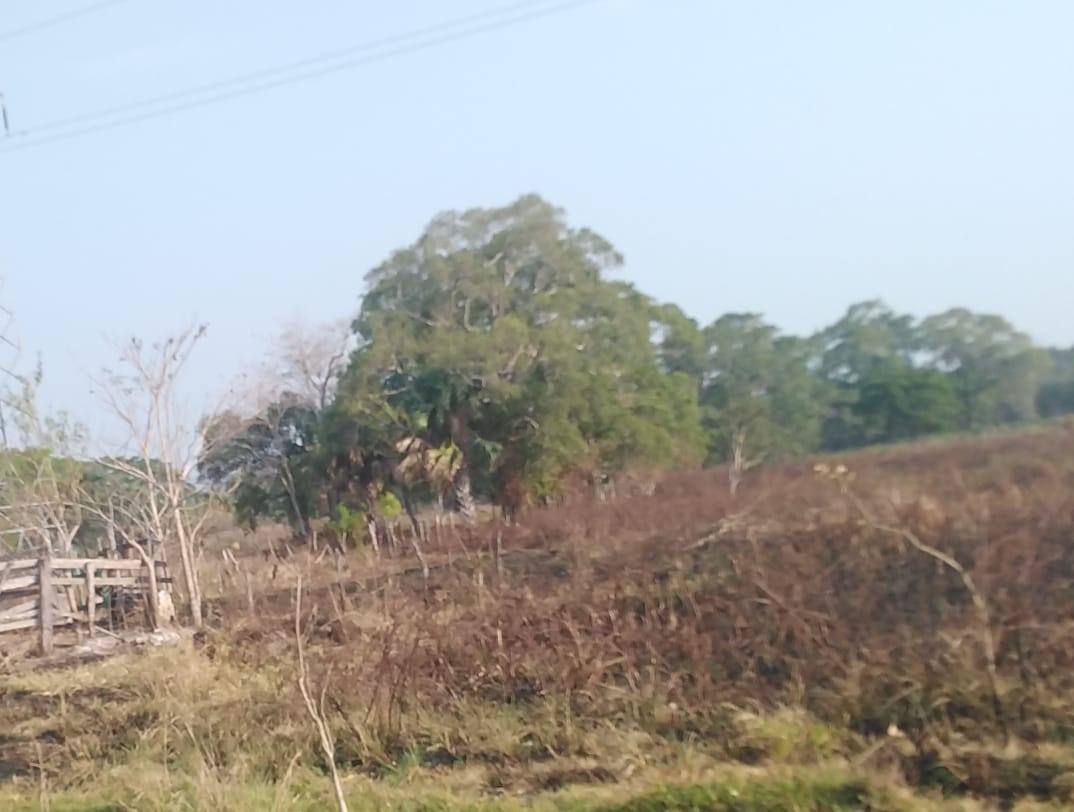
x=719, y=790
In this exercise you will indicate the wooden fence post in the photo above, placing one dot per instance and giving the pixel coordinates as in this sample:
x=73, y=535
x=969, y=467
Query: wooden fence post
x=47, y=607
x=91, y=596
x=153, y=596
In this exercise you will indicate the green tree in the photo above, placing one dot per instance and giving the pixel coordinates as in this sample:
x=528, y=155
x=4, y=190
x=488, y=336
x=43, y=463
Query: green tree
x=996, y=368
x=1056, y=394
x=898, y=402
x=760, y=398
x=680, y=342
x=870, y=335
x=497, y=334
x=265, y=460
x=445, y=442
x=266, y=452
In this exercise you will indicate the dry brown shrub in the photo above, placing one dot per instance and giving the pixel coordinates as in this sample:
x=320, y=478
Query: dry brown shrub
x=665, y=610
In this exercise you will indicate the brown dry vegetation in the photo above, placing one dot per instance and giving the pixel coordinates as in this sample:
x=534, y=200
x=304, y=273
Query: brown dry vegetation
x=795, y=647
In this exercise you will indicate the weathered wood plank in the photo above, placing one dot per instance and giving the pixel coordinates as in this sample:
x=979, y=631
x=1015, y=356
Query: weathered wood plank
x=91, y=600
x=15, y=598
x=16, y=625
x=98, y=563
x=18, y=610
x=46, y=617
x=5, y=572
x=30, y=608
x=28, y=615
x=18, y=564
x=31, y=623
x=18, y=584
x=110, y=580
x=9, y=594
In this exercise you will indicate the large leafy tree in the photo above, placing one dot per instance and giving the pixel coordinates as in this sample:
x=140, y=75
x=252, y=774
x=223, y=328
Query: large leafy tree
x=899, y=402
x=870, y=334
x=868, y=337
x=995, y=367
x=1056, y=394
x=760, y=397
x=497, y=336
x=680, y=342
x=496, y=355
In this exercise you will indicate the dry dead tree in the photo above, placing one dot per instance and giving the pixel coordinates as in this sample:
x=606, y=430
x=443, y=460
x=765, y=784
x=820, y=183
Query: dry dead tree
x=145, y=401
x=740, y=463
x=311, y=358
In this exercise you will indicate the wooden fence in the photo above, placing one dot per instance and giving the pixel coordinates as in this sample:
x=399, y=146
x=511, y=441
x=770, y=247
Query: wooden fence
x=44, y=593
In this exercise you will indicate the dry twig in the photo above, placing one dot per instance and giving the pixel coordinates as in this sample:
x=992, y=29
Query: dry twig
x=316, y=710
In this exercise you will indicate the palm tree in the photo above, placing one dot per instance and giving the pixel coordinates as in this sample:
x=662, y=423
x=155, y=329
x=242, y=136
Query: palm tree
x=442, y=446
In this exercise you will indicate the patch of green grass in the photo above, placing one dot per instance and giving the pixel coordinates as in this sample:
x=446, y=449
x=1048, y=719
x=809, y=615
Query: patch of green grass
x=725, y=789
x=794, y=794
x=788, y=735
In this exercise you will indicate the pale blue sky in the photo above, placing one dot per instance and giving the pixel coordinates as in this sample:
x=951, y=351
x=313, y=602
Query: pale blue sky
x=783, y=157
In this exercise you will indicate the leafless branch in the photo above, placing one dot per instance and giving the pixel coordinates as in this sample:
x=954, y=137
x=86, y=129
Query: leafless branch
x=145, y=402
x=316, y=710
x=984, y=615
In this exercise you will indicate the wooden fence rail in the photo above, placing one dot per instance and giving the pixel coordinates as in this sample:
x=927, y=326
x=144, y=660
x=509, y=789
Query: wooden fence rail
x=44, y=593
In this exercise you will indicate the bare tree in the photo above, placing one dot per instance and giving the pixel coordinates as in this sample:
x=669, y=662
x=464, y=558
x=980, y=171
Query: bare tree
x=272, y=411
x=41, y=503
x=309, y=360
x=163, y=450
x=740, y=461
x=49, y=496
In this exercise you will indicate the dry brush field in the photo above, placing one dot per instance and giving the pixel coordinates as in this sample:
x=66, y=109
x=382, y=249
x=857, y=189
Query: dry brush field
x=893, y=634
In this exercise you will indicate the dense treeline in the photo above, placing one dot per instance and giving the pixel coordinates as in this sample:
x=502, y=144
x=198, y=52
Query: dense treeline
x=499, y=356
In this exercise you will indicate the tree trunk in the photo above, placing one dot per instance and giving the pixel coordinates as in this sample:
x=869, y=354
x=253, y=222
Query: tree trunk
x=738, y=461
x=292, y=495
x=462, y=494
x=190, y=570
x=408, y=506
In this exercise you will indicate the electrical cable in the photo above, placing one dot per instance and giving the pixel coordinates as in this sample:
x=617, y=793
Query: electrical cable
x=266, y=73
x=59, y=18
x=321, y=70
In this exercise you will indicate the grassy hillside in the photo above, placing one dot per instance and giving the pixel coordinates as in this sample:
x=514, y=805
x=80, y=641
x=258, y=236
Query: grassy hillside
x=897, y=635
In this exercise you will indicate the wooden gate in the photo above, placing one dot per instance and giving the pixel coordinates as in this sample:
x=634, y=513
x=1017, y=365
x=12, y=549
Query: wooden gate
x=45, y=593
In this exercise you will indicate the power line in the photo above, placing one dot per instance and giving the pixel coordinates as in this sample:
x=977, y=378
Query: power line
x=267, y=73
x=59, y=18
x=316, y=68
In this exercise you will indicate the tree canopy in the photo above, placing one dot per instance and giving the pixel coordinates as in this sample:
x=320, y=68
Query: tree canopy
x=499, y=355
